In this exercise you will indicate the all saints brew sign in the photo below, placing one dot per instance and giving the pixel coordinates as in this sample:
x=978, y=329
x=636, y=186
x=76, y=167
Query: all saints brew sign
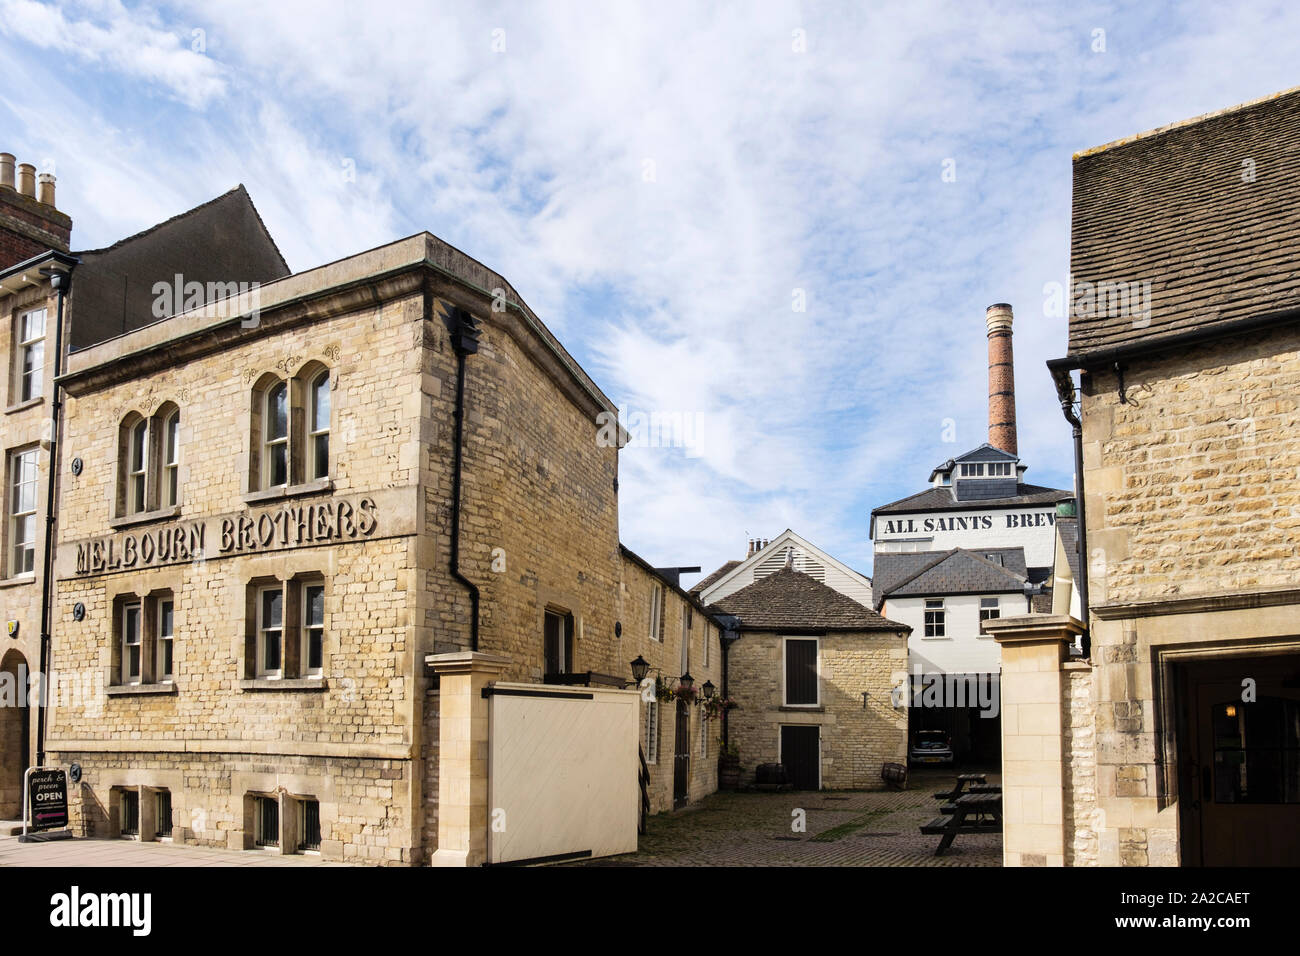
x=985, y=522
x=289, y=526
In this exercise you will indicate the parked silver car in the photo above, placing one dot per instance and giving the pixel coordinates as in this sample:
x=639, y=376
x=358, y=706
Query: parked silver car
x=931, y=747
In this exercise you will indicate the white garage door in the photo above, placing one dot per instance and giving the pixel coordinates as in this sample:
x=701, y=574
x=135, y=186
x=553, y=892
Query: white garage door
x=562, y=772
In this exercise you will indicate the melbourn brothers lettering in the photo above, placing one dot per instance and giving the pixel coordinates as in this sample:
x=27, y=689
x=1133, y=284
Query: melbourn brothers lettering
x=969, y=523
x=241, y=534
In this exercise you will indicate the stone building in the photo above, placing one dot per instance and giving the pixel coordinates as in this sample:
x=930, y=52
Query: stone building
x=33, y=248
x=818, y=677
x=1175, y=738
x=303, y=519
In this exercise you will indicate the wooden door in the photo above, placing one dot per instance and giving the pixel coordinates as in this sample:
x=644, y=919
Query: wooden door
x=682, y=756
x=801, y=756
x=1244, y=777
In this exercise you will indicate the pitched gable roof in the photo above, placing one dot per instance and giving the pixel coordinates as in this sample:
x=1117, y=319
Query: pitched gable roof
x=1169, y=235
x=959, y=571
x=708, y=579
x=943, y=499
x=789, y=600
x=221, y=241
x=808, y=558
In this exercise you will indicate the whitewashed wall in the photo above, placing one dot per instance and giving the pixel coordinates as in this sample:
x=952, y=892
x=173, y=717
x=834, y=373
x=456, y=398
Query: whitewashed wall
x=964, y=650
x=1038, y=541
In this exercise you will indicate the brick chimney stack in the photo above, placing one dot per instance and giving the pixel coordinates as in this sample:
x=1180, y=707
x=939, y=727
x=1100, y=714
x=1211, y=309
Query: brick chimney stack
x=1002, y=379
x=29, y=222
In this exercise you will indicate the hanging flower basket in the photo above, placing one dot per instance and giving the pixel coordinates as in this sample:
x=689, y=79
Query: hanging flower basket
x=715, y=707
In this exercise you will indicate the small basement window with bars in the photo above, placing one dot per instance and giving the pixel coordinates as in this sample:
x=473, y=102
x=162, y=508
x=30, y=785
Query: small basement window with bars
x=130, y=809
x=308, y=825
x=266, y=811
x=163, y=807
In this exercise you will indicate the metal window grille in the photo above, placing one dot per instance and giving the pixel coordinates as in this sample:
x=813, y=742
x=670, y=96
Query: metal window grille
x=164, y=813
x=130, y=813
x=309, y=828
x=268, y=821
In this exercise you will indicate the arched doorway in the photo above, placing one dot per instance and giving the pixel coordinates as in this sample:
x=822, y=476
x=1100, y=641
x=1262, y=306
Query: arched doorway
x=14, y=734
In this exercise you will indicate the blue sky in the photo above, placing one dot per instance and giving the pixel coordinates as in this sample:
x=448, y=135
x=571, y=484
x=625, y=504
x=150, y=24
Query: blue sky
x=661, y=182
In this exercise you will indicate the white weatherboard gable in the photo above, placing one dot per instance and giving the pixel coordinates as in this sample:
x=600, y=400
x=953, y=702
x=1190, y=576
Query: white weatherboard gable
x=808, y=558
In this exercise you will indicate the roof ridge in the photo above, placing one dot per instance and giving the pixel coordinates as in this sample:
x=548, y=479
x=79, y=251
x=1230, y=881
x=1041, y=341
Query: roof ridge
x=942, y=557
x=998, y=567
x=180, y=215
x=1181, y=124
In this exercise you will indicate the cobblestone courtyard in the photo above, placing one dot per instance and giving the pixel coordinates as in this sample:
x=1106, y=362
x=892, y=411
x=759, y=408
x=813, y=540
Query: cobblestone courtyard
x=843, y=828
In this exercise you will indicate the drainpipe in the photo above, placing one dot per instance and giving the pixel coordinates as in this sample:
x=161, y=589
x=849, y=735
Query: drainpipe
x=61, y=282
x=464, y=331
x=1066, y=392
x=730, y=626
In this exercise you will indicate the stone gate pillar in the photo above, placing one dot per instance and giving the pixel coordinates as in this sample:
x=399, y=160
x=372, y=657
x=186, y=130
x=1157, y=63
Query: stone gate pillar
x=463, y=754
x=1034, y=649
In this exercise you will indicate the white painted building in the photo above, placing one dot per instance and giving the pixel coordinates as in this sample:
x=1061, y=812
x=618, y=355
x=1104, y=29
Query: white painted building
x=977, y=543
x=768, y=556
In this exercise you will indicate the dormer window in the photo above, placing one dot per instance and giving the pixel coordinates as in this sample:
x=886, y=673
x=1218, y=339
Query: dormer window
x=990, y=469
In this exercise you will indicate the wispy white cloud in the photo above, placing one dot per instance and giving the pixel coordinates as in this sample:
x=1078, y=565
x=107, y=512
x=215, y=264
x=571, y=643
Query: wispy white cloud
x=107, y=36
x=663, y=181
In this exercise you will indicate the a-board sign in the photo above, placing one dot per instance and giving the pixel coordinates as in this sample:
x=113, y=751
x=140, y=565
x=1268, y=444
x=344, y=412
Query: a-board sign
x=47, y=798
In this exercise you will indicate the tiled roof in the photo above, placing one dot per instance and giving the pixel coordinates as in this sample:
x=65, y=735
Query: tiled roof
x=1068, y=529
x=958, y=571
x=791, y=600
x=1207, y=212
x=707, y=580
x=935, y=499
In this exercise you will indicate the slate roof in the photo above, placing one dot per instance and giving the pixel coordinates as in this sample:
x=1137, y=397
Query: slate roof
x=1171, y=207
x=957, y=571
x=943, y=499
x=1068, y=529
x=223, y=240
x=708, y=579
x=789, y=600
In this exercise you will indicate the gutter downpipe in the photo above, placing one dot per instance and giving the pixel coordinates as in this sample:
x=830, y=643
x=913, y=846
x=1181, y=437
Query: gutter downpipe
x=1066, y=392
x=61, y=282
x=464, y=332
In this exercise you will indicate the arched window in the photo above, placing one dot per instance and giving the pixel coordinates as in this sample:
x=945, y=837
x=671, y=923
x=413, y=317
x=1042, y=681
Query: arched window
x=137, y=462
x=275, y=442
x=318, y=437
x=171, y=450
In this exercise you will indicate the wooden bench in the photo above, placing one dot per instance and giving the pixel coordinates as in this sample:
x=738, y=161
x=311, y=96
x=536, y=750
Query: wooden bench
x=894, y=774
x=973, y=813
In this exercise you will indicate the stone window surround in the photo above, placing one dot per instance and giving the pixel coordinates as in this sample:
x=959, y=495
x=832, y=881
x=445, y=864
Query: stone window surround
x=146, y=783
x=17, y=352
x=293, y=581
x=557, y=602
x=117, y=594
x=155, y=509
x=6, y=533
x=290, y=789
x=785, y=639
x=300, y=480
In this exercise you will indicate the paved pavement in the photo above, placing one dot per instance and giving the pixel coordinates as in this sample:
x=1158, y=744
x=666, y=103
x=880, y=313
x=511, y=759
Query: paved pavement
x=842, y=828
x=92, y=852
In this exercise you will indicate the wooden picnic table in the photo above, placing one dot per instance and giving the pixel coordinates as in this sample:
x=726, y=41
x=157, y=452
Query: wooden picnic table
x=974, y=779
x=972, y=813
